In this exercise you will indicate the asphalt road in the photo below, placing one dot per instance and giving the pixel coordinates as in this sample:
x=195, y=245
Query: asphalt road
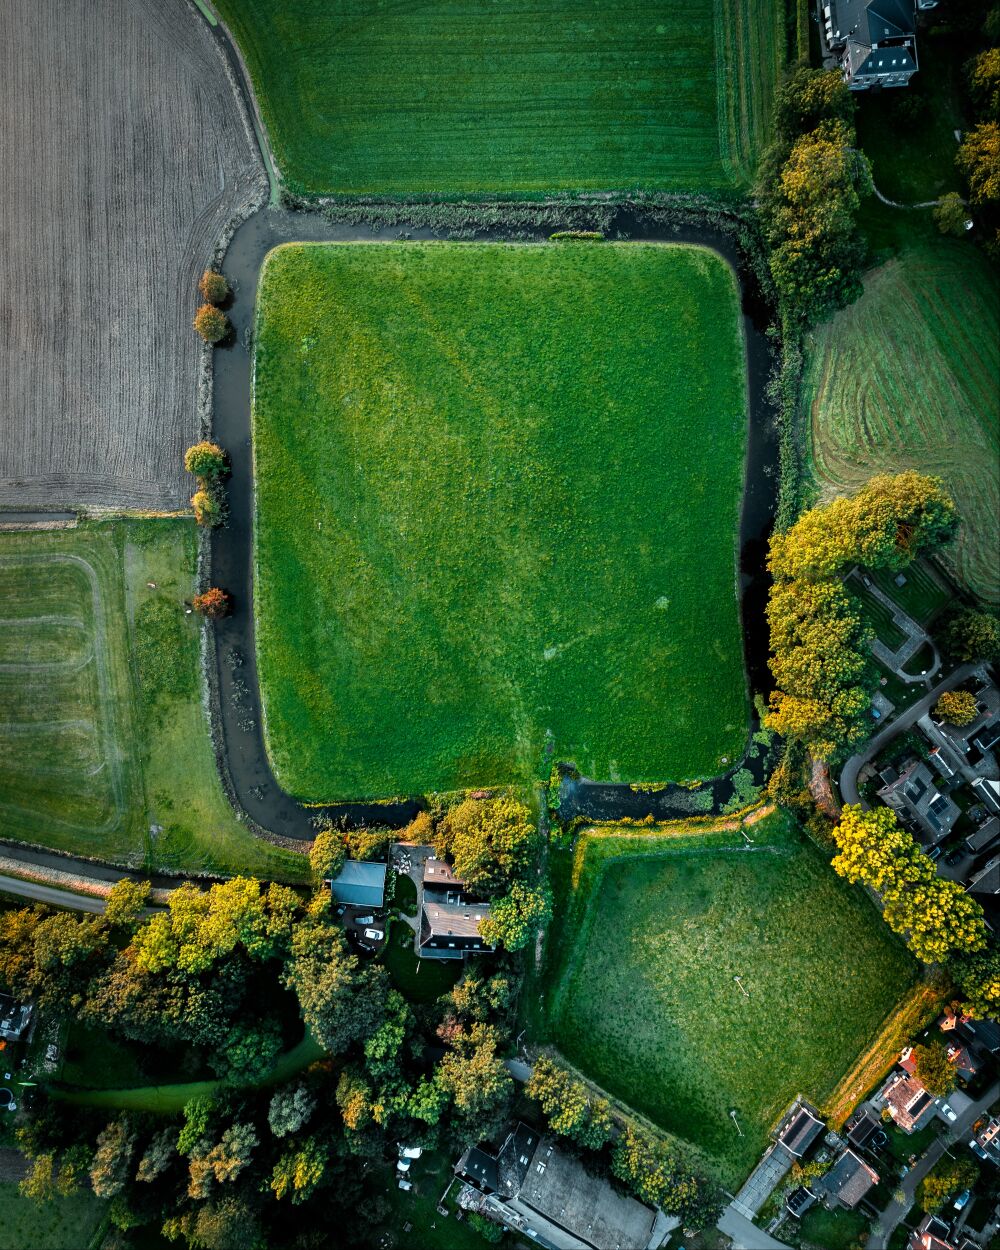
x=49, y=894
x=849, y=773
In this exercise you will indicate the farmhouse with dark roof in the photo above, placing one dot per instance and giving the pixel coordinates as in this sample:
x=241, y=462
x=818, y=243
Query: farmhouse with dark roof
x=450, y=918
x=874, y=41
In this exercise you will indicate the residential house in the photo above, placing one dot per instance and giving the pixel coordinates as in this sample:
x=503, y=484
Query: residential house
x=984, y=837
x=931, y=1234
x=14, y=1018
x=988, y=792
x=539, y=1191
x=360, y=883
x=977, y=740
x=874, y=41
x=909, y=1104
x=959, y=1055
x=914, y=795
x=984, y=887
x=799, y=1201
x=450, y=917
x=800, y=1130
x=862, y=1128
x=986, y=1140
x=848, y=1180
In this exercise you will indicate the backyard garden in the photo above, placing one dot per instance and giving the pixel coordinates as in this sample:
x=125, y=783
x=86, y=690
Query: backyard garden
x=485, y=524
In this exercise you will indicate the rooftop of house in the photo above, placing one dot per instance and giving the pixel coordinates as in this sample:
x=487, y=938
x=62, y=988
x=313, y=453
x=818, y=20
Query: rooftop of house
x=800, y=1200
x=984, y=727
x=914, y=793
x=871, y=21
x=14, y=1018
x=861, y=1127
x=360, y=883
x=500, y=1170
x=987, y=879
x=988, y=791
x=559, y=1188
x=986, y=1139
x=850, y=1179
x=455, y=919
x=800, y=1131
x=439, y=872
x=909, y=1103
x=987, y=833
x=931, y=1234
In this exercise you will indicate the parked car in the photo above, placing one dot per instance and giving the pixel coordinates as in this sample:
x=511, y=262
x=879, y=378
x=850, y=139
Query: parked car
x=403, y=1165
x=962, y=1199
x=360, y=920
x=405, y=1184
x=934, y=853
x=374, y=935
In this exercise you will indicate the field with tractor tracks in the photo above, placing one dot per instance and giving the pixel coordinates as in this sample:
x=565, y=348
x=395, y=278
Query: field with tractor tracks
x=467, y=97
x=127, y=154
x=907, y=378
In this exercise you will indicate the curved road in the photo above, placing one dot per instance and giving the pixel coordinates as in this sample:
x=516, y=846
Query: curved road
x=849, y=773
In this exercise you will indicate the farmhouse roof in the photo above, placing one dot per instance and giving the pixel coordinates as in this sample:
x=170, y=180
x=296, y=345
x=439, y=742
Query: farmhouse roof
x=584, y=1208
x=360, y=883
x=800, y=1131
x=440, y=872
x=850, y=1179
x=449, y=930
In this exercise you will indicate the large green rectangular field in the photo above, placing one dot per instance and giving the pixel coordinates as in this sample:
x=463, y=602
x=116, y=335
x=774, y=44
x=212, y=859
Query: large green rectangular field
x=458, y=97
x=641, y=993
x=497, y=496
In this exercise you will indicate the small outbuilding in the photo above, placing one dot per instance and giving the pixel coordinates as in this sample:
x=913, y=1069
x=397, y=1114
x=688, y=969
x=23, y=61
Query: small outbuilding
x=360, y=883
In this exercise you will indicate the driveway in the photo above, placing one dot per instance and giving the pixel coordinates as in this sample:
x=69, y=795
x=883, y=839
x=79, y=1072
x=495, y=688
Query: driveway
x=746, y=1236
x=849, y=773
x=895, y=1211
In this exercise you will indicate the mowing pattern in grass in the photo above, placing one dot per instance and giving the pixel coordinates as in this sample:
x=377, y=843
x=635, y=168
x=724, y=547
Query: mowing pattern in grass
x=104, y=742
x=464, y=96
x=922, y=595
x=878, y=616
x=68, y=773
x=907, y=378
x=487, y=513
x=645, y=1001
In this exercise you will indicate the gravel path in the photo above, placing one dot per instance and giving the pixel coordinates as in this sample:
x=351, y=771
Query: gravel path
x=127, y=156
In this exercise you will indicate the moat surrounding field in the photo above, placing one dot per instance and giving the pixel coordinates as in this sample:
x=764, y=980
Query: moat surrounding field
x=487, y=517
x=464, y=97
x=651, y=932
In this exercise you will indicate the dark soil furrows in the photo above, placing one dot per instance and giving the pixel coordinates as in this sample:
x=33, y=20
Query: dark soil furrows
x=125, y=156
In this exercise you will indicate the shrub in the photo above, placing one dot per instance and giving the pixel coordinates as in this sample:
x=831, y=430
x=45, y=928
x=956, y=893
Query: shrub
x=211, y=324
x=205, y=460
x=594, y=235
x=207, y=508
x=213, y=287
x=214, y=603
x=327, y=853
x=970, y=635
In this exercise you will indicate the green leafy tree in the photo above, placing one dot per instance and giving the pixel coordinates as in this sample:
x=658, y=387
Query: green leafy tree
x=957, y=707
x=194, y=1134
x=950, y=214
x=944, y=1181
x=808, y=97
x=208, y=508
x=299, y=1171
x=327, y=854
x=656, y=1173
x=984, y=79
x=354, y=1099
x=515, y=919
x=158, y=1155
x=340, y=1003
x=206, y=460
x=250, y=1050
x=970, y=635
x=934, y=1070
x=491, y=841
x=112, y=1160
x=979, y=159
x=568, y=1106
x=475, y=1077
x=489, y=1230
x=290, y=1110
x=126, y=901
x=978, y=978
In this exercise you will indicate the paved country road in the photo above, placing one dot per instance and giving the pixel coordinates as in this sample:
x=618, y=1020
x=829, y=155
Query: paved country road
x=49, y=894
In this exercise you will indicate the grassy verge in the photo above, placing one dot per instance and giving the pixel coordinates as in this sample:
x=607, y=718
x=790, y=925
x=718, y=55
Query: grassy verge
x=57, y=1225
x=907, y=378
x=485, y=520
x=643, y=995
x=105, y=740
x=463, y=97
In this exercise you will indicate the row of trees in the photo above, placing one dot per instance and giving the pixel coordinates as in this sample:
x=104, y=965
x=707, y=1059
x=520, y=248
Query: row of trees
x=210, y=321
x=939, y=920
x=979, y=154
x=210, y=466
x=819, y=640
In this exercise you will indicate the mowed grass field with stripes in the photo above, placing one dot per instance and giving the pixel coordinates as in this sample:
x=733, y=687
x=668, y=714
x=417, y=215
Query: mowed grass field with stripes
x=466, y=97
x=907, y=378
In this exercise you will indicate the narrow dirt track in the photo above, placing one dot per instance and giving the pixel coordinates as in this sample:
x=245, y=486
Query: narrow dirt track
x=125, y=155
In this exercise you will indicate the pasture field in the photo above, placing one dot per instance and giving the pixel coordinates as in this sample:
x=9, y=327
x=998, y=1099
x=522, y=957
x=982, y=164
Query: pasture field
x=485, y=518
x=907, y=378
x=641, y=993
x=466, y=97
x=104, y=741
x=28, y=1225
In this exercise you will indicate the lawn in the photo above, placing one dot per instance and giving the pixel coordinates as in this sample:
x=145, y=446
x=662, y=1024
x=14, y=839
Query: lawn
x=57, y=1225
x=104, y=744
x=877, y=615
x=642, y=995
x=923, y=397
x=458, y=97
x=497, y=496
x=922, y=596
x=420, y=980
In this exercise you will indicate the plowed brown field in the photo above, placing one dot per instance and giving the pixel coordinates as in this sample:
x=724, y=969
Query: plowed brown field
x=124, y=154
